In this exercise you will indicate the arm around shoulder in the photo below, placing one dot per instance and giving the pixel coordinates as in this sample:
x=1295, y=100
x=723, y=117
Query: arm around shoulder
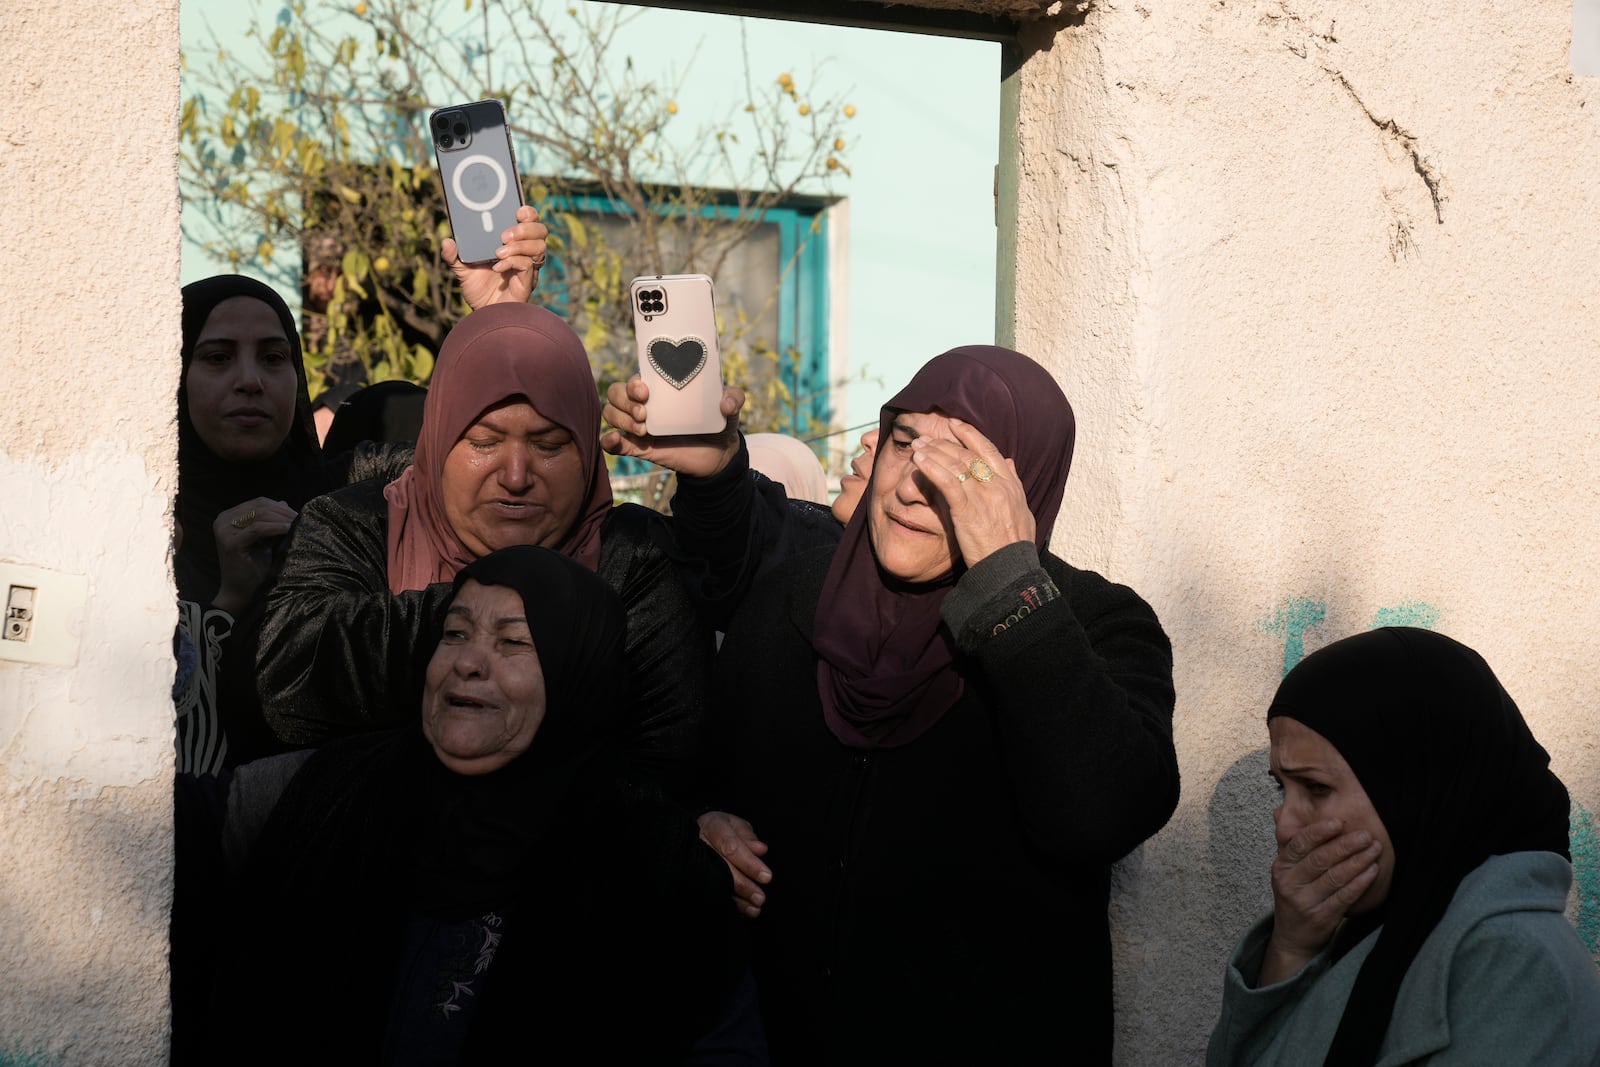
x=338, y=651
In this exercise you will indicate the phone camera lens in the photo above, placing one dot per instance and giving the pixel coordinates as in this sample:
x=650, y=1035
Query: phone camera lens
x=445, y=140
x=440, y=122
x=461, y=130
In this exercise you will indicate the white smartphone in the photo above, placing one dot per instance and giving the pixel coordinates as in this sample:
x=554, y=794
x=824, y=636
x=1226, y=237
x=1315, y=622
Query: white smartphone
x=481, y=191
x=675, y=329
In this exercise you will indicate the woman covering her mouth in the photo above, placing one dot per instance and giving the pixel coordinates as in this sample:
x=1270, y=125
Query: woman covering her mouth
x=1421, y=878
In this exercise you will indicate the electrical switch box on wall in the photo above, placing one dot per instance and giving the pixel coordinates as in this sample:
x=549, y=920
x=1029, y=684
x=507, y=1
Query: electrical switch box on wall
x=41, y=614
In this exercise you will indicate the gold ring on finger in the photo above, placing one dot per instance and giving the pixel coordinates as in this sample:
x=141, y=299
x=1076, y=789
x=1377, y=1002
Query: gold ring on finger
x=980, y=470
x=962, y=476
x=244, y=520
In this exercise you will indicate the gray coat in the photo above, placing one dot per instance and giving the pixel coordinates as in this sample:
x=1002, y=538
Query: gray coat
x=1503, y=980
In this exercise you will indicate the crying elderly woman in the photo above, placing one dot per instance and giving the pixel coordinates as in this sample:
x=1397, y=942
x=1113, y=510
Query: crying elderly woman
x=483, y=885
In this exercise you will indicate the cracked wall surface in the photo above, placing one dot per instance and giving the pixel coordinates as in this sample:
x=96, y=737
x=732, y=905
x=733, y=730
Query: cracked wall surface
x=89, y=335
x=1319, y=279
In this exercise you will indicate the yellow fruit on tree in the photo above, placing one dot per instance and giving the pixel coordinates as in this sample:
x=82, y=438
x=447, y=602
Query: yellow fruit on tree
x=361, y=9
x=849, y=111
x=380, y=264
x=838, y=144
x=672, y=107
x=805, y=109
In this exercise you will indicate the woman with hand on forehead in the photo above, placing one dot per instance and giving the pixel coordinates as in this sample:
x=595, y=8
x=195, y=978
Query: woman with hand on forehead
x=941, y=736
x=1421, y=877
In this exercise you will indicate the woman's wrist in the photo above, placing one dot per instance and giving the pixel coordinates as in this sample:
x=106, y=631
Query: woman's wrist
x=1281, y=961
x=230, y=601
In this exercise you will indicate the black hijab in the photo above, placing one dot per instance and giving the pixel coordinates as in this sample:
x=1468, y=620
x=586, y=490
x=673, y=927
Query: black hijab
x=477, y=831
x=209, y=484
x=382, y=808
x=615, y=912
x=388, y=411
x=1453, y=771
x=886, y=663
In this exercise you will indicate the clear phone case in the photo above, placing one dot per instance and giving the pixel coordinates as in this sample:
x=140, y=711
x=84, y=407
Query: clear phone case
x=481, y=191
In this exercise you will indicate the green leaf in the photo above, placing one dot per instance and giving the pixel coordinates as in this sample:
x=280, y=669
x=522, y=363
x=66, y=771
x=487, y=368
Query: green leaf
x=421, y=364
x=577, y=232
x=355, y=266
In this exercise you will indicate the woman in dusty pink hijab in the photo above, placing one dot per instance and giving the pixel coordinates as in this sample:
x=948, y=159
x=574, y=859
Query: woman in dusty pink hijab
x=520, y=371
x=508, y=454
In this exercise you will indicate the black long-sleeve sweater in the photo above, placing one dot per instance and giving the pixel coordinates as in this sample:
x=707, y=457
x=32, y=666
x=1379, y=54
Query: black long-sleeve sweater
x=945, y=902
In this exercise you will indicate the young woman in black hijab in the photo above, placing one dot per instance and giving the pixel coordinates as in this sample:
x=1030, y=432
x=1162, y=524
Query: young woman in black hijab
x=1421, y=878
x=247, y=460
x=481, y=886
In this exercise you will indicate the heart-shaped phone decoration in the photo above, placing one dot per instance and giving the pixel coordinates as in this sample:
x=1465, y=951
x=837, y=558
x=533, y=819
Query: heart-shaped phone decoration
x=677, y=361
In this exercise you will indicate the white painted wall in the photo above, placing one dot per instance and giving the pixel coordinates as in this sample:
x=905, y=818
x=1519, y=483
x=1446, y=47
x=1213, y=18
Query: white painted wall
x=89, y=336
x=1320, y=279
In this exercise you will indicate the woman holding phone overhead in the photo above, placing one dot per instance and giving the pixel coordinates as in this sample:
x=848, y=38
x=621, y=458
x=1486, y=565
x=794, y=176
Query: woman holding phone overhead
x=507, y=454
x=941, y=736
x=248, y=460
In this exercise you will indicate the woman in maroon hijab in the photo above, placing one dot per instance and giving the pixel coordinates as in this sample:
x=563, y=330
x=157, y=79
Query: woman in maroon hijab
x=508, y=454
x=943, y=736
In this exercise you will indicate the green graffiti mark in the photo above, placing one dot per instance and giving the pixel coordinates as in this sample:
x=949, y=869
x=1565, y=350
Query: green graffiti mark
x=1586, y=873
x=1293, y=618
x=15, y=1057
x=1424, y=615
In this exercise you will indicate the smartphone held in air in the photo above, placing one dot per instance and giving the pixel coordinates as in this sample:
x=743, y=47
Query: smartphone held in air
x=479, y=174
x=675, y=328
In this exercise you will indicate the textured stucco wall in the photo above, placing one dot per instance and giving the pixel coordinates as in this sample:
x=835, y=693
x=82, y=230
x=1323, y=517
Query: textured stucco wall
x=1320, y=281
x=88, y=356
x=1318, y=278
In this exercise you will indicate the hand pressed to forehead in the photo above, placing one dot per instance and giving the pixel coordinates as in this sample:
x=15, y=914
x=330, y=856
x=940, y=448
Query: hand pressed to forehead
x=943, y=470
